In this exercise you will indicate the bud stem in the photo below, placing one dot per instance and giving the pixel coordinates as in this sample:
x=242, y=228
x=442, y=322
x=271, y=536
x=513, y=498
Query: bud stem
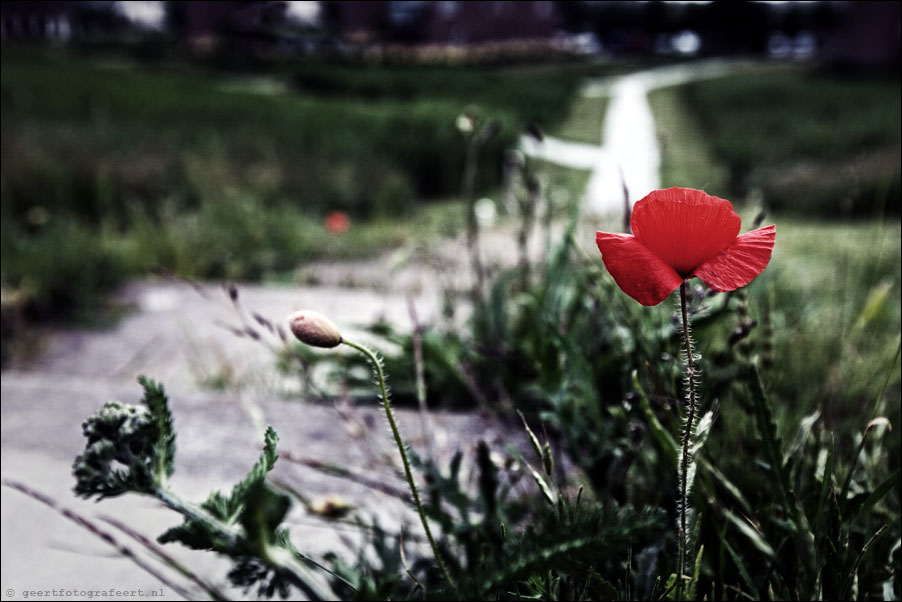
x=380, y=377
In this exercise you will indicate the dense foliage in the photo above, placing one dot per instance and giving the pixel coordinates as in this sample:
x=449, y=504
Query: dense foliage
x=808, y=141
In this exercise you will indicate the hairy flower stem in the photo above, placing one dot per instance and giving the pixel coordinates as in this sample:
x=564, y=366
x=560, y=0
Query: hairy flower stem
x=405, y=461
x=686, y=439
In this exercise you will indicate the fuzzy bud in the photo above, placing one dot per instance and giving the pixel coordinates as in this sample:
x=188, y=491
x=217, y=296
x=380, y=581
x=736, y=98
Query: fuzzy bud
x=314, y=329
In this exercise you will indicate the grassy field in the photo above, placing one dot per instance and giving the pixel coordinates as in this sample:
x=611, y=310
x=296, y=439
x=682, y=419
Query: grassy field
x=223, y=175
x=832, y=291
x=686, y=153
x=801, y=140
x=584, y=121
x=831, y=301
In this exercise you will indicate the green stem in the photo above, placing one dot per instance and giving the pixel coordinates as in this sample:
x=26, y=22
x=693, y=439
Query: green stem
x=276, y=556
x=468, y=190
x=685, y=440
x=380, y=376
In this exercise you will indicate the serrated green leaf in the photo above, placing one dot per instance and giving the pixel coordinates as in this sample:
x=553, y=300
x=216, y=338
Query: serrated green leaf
x=256, y=475
x=156, y=401
x=121, y=453
x=190, y=534
x=218, y=505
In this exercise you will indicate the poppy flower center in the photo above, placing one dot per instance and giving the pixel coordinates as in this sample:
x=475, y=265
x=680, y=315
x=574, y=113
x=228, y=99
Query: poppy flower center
x=685, y=233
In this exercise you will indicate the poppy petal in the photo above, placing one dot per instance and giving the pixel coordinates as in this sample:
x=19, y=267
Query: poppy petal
x=741, y=262
x=636, y=270
x=684, y=227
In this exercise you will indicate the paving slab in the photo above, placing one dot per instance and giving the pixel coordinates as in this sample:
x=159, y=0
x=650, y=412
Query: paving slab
x=182, y=334
x=219, y=438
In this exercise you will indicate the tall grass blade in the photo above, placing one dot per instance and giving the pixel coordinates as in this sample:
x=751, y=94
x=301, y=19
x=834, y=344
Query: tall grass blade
x=752, y=534
x=804, y=430
x=826, y=486
x=850, y=577
x=767, y=428
x=877, y=495
x=743, y=571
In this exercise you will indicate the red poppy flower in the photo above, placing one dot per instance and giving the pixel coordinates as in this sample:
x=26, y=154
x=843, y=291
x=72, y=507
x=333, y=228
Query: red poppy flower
x=679, y=233
x=337, y=222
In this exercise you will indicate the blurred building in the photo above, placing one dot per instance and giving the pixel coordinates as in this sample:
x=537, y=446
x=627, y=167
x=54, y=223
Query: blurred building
x=856, y=34
x=871, y=35
x=244, y=26
x=58, y=21
x=471, y=22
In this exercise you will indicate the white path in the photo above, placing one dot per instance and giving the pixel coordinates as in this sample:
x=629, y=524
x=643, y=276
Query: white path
x=629, y=154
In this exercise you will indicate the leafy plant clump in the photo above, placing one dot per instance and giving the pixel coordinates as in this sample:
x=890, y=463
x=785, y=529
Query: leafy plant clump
x=131, y=449
x=496, y=543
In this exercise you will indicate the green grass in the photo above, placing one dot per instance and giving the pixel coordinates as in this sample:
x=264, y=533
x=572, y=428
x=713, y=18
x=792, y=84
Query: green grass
x=828, y=310
x=808, y=141
x=584, y=120
x=535, y=93
x=228, y=176
x=149, y=134
x=832, y=289
x=97, y=137
x=834, y=294
x=563, y=186
x=686, y=157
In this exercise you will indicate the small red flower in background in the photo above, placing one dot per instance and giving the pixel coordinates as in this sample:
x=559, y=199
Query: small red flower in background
x=679, y=233
x=337, y=222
